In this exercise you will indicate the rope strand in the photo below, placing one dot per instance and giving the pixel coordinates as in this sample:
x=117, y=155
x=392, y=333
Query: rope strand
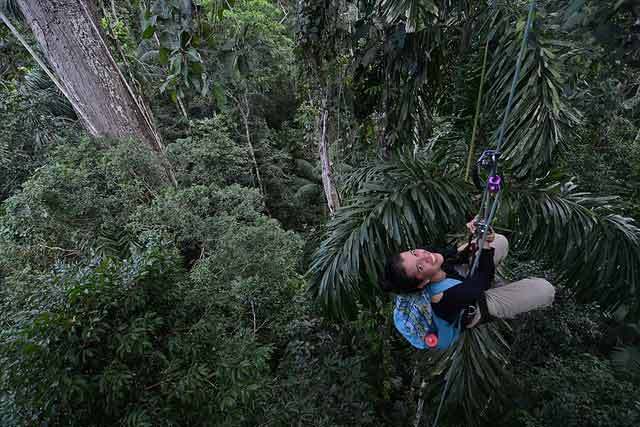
x=491, y=208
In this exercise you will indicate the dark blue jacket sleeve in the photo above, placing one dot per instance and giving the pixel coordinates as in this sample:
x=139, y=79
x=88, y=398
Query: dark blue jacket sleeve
x=470, y=290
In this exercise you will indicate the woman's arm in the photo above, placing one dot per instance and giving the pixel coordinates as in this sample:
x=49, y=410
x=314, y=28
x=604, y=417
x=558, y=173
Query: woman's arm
x=469, y=291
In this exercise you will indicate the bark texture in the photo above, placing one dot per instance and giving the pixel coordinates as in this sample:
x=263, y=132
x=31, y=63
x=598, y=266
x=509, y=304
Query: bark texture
x=69, y=36
x=333, y=201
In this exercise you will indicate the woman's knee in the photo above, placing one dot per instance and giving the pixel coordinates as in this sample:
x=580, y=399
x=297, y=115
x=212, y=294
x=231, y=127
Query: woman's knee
x=546, y=290
x=500, y=241
x=501, y=246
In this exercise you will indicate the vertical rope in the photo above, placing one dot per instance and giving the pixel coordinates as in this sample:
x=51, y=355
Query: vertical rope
x=516, y=76
x=485, y=197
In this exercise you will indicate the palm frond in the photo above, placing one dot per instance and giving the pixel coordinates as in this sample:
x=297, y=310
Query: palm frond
x=415, y=12
x=448, y=147
x=397, y=205
x=541, y=118
x=626, y=361
x=41, y=91
x=596, y=250
x=402, y=64
x=475, y=367
x=410, y=79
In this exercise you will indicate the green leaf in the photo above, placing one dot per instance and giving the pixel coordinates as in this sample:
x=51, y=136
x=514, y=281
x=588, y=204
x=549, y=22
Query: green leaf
x=166, y=84
x=163, y=56
x=219, y=95
x=150, y=28
x=149, y=32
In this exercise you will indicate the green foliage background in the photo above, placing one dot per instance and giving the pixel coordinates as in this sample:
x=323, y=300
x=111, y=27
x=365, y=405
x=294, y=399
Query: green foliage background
x=126, y=301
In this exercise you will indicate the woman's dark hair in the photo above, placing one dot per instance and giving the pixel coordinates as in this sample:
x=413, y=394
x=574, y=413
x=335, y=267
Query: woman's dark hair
x=395, y=278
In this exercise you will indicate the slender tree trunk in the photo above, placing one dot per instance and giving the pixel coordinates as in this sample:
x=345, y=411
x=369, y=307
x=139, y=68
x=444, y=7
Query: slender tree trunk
x=244, y=110
x=333, y=201
x=183, y=109
x=245, y=118
x=69, y=36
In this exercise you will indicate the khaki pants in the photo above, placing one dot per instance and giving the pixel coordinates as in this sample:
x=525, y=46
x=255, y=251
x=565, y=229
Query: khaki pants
x=506, y=301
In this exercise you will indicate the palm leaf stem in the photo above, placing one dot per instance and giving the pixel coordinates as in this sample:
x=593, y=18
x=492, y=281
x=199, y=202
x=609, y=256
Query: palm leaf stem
x=472, y=146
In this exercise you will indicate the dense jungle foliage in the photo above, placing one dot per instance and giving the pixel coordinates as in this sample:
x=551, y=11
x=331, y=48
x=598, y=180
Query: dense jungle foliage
x=231, y=278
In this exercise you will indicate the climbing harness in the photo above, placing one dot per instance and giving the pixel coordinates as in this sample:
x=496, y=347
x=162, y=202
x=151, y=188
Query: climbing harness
x=489, y=158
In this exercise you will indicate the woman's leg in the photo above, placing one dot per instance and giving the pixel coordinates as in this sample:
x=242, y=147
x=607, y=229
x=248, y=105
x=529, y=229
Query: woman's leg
x=507, y=301
x=501, y=249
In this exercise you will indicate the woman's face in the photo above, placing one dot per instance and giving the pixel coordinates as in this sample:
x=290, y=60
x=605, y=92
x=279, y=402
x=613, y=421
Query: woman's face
x=421, y=264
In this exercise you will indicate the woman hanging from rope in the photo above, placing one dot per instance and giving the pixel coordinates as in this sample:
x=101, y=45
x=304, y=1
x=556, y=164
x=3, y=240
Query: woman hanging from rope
x=436, y=297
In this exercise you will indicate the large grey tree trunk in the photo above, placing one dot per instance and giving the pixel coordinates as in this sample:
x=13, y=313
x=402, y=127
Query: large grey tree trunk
x=68, y=34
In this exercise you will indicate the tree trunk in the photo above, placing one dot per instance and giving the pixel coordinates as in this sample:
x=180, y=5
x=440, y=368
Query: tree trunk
x=244, y=112
x=68, y=34
x=333, y=202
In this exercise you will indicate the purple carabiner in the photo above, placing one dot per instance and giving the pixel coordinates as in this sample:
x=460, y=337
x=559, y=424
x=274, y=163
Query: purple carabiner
x=494, y=183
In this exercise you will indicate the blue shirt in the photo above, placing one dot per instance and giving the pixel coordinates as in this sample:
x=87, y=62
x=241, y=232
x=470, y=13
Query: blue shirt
x=414, y=317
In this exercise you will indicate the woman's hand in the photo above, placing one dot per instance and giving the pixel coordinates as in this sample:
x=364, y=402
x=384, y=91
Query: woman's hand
x=471, y=226
x=491, y=235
